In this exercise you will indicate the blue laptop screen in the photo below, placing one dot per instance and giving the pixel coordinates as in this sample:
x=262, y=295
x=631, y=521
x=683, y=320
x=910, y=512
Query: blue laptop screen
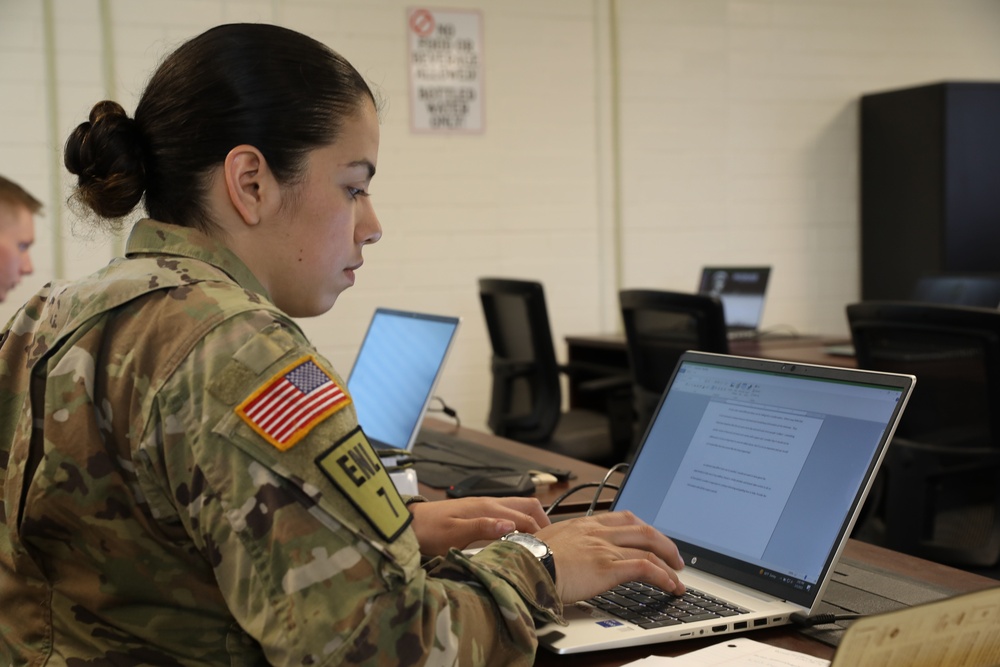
x=395, y=373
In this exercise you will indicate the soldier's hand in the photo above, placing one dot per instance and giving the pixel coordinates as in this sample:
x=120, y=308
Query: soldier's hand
x=459, y=522
x=595, y=553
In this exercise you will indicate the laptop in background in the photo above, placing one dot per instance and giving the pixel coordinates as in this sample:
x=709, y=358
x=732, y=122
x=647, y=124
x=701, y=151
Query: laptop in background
x=757, y=470
x=742, y=291
x=395, y=373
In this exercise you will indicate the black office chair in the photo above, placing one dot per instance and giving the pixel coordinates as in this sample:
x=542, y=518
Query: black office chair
x=659, y=327
x=942, y=470
x=526, y=402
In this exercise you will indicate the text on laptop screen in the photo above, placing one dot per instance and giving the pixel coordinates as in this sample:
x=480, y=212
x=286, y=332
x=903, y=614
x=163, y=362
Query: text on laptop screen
x=758, y=465
x=395, y=372
x=741, y=291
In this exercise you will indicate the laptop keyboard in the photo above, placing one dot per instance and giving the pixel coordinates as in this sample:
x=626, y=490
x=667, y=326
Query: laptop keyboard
x=649, y=607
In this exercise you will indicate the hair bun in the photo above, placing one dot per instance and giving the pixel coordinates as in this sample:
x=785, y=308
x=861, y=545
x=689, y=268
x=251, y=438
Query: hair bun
x=106, y=155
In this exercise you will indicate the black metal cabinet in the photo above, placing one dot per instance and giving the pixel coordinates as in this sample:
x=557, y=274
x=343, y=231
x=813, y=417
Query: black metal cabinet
x=930, y=185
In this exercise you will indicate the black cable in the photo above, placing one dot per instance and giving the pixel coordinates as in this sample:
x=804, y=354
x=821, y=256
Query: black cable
x=446, y=409
x=391, y=451
x=579, y=487
x=820, y=619
x=405, y=459
x=604, y=482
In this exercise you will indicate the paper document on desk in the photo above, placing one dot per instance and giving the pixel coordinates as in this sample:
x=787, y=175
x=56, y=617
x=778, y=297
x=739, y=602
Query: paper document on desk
x=962, y=630
x=735, y=653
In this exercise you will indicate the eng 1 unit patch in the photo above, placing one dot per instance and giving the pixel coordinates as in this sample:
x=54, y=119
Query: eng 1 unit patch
x=356, y=470
x=286, y=407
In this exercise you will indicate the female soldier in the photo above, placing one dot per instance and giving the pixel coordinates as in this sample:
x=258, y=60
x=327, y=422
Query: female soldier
x=184, y=479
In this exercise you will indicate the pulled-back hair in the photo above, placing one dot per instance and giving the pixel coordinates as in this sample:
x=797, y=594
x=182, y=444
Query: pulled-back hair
x=257, y=84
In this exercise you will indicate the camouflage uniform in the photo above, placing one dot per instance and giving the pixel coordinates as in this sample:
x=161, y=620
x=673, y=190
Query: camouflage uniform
x=148, y=517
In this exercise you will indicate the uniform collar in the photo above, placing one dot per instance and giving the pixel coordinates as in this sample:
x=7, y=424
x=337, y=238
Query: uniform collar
x=150, y=237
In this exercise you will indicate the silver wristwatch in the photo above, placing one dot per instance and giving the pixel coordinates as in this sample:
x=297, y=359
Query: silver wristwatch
x=538, y=549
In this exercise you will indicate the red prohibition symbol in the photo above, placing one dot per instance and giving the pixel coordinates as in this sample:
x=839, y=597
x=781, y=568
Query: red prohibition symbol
x=422, y=22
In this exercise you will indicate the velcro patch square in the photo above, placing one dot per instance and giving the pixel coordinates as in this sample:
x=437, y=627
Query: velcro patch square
x=286, y=407
x=356, y=470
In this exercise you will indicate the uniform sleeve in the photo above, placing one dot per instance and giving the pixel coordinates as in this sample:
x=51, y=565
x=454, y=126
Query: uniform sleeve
x=255, y=447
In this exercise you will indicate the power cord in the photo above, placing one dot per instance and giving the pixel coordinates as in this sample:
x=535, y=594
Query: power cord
x=820, y=619
x=405, y=459
x=618, y=467
x=579, y=487
x=445, y=409
x=600, y=486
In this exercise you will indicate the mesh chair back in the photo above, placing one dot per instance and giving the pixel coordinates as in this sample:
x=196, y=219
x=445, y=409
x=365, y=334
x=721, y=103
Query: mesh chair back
x=527, y=398
x=659, y=327
x=942, y=499
x=955, y=353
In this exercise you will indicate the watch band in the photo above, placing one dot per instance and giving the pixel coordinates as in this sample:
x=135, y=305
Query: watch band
x=538, y=549
x=548, y=561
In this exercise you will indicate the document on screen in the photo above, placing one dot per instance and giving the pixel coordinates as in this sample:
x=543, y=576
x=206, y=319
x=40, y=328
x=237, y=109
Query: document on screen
x=738, y=473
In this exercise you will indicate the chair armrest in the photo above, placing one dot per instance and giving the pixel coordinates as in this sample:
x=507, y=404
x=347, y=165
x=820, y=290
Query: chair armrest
x=584, y=370
x=595, y=377
x=512, y=369
x=610, y=383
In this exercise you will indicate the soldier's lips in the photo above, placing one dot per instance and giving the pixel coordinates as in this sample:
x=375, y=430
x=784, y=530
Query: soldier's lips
x=350, y=272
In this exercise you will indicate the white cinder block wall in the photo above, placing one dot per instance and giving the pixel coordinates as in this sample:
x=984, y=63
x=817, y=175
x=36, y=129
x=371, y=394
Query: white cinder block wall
x=627, y=143
x=739, y=126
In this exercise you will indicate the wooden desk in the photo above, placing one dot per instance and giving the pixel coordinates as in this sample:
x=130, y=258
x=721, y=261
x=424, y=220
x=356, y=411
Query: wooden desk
x=606, y=353
x=546, y=494
x=786, y=637
x=609, y=350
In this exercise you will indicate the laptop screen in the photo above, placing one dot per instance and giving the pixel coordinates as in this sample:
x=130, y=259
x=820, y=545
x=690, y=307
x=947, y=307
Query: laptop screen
x=756, y=469
x=395, y=372
x=741, y=290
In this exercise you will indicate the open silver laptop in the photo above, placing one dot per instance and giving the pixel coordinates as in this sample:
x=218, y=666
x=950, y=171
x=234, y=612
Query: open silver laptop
x=742, y=290
x=757, y=470
x=395, y=373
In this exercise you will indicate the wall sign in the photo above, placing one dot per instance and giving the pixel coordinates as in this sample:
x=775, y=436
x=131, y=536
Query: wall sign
x=446, y=75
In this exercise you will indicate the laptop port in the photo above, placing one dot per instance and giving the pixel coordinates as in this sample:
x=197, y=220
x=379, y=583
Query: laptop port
x=740, y=625
x=759, y=622
x=719, y=628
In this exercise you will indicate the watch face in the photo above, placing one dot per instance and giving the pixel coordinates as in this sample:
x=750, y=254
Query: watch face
x=538, y=548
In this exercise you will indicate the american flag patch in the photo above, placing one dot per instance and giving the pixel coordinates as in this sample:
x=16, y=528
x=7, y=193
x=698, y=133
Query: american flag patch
x=287, y=407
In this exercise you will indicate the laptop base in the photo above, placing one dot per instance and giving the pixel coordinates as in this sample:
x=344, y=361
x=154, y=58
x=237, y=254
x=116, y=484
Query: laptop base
x=858, y=588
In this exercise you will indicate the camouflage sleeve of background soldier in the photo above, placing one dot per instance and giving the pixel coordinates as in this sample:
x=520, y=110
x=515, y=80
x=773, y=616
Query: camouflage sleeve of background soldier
x=314, y=568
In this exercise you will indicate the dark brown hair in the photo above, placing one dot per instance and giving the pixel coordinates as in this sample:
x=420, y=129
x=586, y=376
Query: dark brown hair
x=263, y=85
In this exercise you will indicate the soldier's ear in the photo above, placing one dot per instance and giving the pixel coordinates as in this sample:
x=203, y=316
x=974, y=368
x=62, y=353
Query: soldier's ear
x=250, y=183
